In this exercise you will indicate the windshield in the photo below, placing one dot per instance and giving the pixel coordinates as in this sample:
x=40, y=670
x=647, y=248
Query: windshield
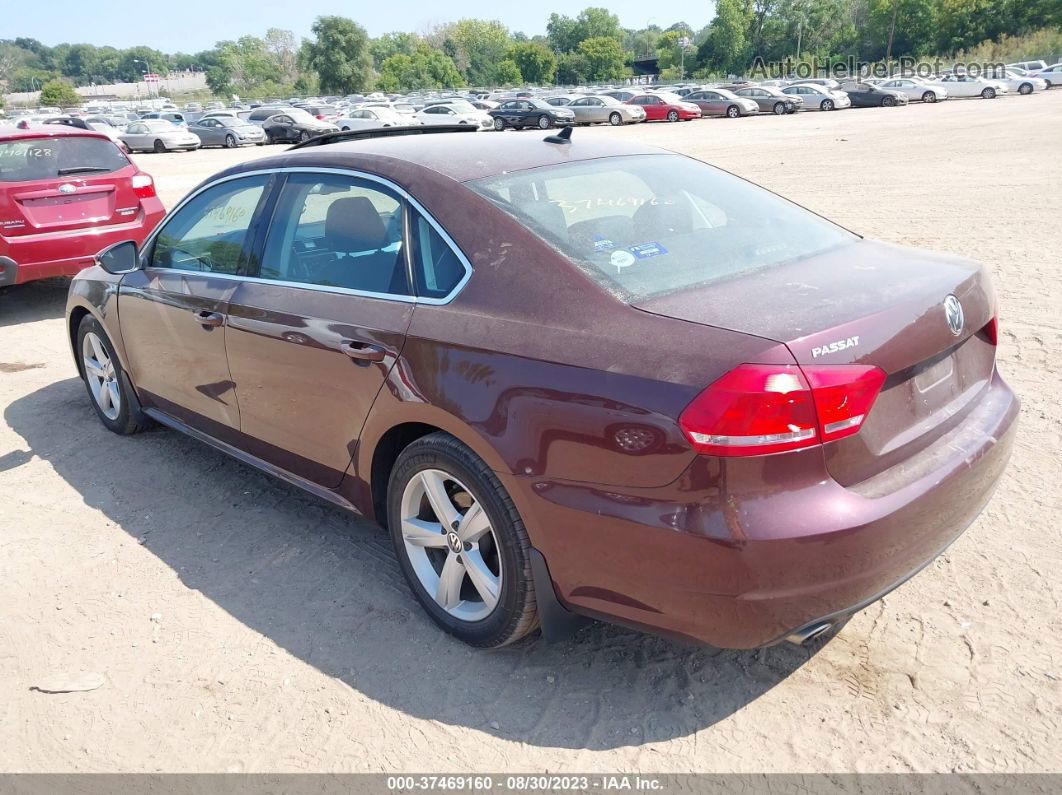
x=651, y=224
x=299, y=115
x=667, y=96
x=47, y=158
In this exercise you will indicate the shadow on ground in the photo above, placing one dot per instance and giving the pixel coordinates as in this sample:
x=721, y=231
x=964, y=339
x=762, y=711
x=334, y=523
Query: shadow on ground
x=25, y=303
x=325, y=587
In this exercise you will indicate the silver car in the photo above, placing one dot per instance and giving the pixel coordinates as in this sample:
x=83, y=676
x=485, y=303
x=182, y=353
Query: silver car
x=720, y=102
x=770, y=99
x=817, y=96
x=227, y=131
x=158, y=135
x=605, y=110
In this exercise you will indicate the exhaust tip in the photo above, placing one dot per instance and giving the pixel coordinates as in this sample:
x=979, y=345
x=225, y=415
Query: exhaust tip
x=809, y=633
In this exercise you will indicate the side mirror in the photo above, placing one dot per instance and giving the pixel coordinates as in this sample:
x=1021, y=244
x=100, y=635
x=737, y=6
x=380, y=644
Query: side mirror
x=119, y=258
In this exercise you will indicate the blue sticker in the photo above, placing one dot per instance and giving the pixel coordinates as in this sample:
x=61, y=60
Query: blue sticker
x=602, y=244
x=646, y=250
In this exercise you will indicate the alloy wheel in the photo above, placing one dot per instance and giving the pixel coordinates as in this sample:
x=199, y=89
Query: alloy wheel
x=733, y=112
x=101, y=376
x=451, y=545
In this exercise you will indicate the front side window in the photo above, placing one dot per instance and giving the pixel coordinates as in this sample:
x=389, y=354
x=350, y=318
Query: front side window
x=210, y=232
x=331, y=230
x=647, y=225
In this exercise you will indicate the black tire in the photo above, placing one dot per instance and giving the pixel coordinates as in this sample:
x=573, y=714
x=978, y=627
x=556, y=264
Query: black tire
x=929, y=97
x=230, y=141
x=1025, y=88
x=733, y=112
x=130, y=419
x=516, y=613
x=615, y=119
x=159, y=147
x=779, y=108
x=499, y=123
x=988, y=93
x=888, y=102
x=544, y=122
x=305, y=135
x=827, y=104
x=672, y=115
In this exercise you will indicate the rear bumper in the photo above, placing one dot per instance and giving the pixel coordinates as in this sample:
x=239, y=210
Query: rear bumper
x=26, y=258
x=740, y=553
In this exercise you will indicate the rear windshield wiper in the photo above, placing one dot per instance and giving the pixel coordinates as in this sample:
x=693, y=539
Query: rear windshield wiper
x=79, y=169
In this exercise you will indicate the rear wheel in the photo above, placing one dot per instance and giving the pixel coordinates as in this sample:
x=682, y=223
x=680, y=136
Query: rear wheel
x=779, y=108
x=544, y=122
x=230, y=141
x=159, y=146
x=109, y=388
x=461, y=543
x=499, y=124
x=1025, y=88
x=988, y=93
x=672, y=115
x=615, y=119
x=929, y=97
x=733, y=112
x=827, y=104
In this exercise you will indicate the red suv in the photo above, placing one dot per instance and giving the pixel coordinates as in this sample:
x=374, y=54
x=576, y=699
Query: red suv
x=66, y=193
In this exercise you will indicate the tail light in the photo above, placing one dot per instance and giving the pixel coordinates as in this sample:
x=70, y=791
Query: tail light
x=319, y=117
x=760, y=408
x=143, y=186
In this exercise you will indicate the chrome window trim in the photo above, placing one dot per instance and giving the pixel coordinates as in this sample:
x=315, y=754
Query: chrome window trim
x=150, y=241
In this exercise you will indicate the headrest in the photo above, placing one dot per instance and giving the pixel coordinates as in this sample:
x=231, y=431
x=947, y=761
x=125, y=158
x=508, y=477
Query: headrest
x=353, y=224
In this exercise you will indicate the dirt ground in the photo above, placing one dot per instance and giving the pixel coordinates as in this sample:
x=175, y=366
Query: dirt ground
x=240, y=625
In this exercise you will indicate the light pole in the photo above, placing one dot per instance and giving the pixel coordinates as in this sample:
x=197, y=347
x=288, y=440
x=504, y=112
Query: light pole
x=648, y=22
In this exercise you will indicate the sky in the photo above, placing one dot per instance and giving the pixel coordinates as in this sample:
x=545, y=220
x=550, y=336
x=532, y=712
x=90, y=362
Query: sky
x=199, y=23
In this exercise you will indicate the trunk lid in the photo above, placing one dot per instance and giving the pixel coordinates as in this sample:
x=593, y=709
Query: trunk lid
x=867, y=303
x=77, y=182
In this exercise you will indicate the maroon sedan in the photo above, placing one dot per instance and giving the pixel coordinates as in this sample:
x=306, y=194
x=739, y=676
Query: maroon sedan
x=65, y=193
x=572, y=377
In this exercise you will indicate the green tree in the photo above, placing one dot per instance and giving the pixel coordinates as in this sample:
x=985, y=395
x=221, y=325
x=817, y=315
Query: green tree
x=605, y=58
x=536, y=63
x=725, y=45
x=667, y=50
x=425, y=68
x=59, y=93
x=562, y=32
x=566, y=34
x=389, y=44
x=478, y=46
x=339, y=53
x=508, y=74
x=572, y=69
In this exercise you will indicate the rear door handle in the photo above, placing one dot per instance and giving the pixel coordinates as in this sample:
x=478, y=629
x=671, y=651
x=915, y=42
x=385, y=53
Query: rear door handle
x=363, y=351
x=209, y=318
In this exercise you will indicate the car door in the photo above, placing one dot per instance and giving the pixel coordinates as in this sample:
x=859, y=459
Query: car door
x=173, y=310
x=135, y=135
x=312, y=337
x=208, y=131
x=591, y=110
x=283, y=128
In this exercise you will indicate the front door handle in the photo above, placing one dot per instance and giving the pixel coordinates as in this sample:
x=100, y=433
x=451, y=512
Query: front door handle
x=362, y=351
x=209, y=318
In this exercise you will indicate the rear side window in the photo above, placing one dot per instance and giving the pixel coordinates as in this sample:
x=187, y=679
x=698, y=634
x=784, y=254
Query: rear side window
x=653, y=224
x=50, y=158
x=437, y=267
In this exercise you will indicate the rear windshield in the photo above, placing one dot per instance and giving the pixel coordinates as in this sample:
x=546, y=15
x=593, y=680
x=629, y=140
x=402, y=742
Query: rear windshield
x=49, y=158
x=652, y=224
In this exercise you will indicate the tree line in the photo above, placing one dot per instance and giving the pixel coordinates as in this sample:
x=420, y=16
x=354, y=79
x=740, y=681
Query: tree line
x=340, y=57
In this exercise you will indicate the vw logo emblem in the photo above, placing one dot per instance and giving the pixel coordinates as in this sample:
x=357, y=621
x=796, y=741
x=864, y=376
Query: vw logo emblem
x=66, y=187
x=454, y=542
x=953, y=314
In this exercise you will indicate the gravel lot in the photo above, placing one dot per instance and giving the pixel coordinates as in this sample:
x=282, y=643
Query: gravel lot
x=240, y=625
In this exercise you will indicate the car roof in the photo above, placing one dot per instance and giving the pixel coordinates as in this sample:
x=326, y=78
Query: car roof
x=461, y=157
x=60, y=131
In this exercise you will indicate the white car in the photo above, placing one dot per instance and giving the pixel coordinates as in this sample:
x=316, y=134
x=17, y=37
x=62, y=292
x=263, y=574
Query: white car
x=819, y=97
x=373, y=118
x=968, y=86
x=1022, y=83
x=158, y=135
x=916, y=90
x=456, y=112
x=1052, y=75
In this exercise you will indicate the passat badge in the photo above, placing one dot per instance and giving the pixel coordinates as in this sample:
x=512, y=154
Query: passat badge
x=66, y=187
x=953, y=314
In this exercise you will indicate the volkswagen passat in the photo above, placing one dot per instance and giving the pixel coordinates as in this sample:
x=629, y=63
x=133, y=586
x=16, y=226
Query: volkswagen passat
x=571, y=376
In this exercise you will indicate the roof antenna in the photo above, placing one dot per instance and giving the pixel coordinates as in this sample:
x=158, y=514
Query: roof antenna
x=563, y=137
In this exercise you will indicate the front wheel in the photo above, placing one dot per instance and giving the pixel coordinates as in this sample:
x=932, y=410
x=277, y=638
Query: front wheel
x=888, y=102
x=672, y=115
x=733, y=112
x=988, y=93
x=230, y=142
x=615, y=119
x=304, y=136
x=827, y=104
x=460, y=542
x=499, y=124
x=109, y=388
x=929, y=97
x=544, y=122
x=779, y=108
x=1025, y=88
x=159, y=146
